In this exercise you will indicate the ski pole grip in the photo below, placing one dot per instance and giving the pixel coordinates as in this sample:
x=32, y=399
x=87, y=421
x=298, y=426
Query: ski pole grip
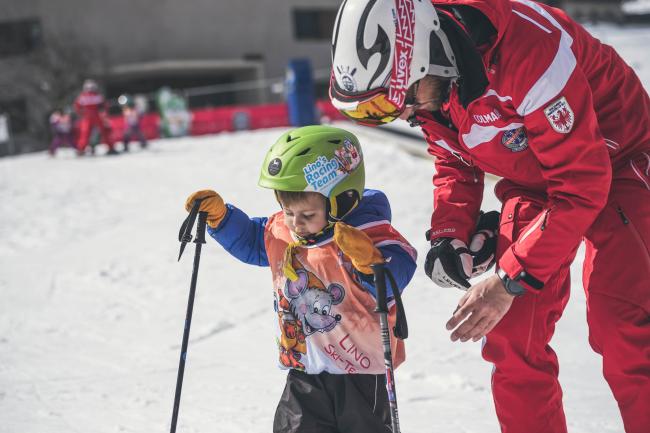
x=200, y=228
x=379, y=272
x=185, y=234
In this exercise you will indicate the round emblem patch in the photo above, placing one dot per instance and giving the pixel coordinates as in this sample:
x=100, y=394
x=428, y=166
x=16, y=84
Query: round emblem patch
x=347, y=78
x=348, y=83
x=275, y=166
x=515, y=139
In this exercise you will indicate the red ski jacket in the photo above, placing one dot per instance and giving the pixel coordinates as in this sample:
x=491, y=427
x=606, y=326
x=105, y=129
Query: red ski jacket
x=561, y=113
x=90, y=105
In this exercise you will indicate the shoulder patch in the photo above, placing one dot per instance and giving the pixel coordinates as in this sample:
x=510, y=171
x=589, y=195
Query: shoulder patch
x=515, y=139
x=560, y=116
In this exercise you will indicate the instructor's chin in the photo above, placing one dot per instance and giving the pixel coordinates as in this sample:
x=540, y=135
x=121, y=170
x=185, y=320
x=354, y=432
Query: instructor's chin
x=407, y=113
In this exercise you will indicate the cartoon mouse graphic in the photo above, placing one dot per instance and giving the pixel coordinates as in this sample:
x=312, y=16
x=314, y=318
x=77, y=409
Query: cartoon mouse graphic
x=305, y=308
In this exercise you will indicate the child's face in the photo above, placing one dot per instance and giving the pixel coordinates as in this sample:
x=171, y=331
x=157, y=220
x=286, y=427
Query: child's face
x=306, y=217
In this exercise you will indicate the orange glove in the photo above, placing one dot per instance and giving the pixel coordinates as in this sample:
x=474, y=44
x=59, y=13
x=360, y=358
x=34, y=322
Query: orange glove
x=357, y=246
x=212, y=204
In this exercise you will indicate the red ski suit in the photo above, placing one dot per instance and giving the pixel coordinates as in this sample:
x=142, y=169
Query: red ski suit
x=565, y=122
x=90, y=106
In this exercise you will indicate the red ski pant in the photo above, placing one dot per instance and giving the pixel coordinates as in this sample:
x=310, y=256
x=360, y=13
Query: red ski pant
x=616, y=277
x=86, y=126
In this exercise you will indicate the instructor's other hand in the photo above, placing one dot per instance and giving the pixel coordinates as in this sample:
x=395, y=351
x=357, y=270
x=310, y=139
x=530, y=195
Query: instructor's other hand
x=479, y=310
x=212, y=204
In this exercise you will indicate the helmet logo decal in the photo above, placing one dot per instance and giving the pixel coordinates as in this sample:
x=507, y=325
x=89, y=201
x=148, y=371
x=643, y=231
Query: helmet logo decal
x=347, y=78
x=404, y=38
x=275, y=166
x=324, y=174
x=381, y=44
x=348, y=156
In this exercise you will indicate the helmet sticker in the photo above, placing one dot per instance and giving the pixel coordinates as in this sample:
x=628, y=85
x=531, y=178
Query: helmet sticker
x=348, y=156
x=403, y=52
x=324, y=174
x=347, y=78
x=275, y=166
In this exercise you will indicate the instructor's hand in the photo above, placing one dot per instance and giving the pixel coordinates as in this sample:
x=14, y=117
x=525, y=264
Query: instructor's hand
x=357, y=246
x=212, y=204
x=449, y=263
x=485, y=303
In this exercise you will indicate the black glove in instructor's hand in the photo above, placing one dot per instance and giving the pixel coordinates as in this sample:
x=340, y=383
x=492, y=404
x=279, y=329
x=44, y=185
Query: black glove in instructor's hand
x=483, y=244
x=449, y=263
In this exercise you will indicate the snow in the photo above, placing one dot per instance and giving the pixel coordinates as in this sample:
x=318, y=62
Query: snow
x=93, y=300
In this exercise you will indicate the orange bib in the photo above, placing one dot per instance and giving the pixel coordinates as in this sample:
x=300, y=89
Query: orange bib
x=326, y=319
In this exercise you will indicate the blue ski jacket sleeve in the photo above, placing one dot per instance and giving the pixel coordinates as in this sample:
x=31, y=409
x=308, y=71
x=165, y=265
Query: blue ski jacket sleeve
x=373, y=216
x=242, y=236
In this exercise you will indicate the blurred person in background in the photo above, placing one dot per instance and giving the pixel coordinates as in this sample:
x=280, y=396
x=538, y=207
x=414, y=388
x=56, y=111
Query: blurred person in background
x=520, y=90
x=61, y=129
x=132, y=117
x=91, y=107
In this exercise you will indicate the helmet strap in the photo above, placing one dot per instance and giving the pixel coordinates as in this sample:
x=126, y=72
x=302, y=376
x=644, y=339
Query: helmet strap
x=342, y=204
x=473, y=79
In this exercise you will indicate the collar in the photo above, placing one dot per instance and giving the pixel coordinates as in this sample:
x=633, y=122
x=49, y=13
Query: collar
x=287, y=265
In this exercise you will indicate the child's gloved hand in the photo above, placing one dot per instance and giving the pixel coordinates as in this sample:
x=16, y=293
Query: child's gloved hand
x=357, y=246
x=212, y=204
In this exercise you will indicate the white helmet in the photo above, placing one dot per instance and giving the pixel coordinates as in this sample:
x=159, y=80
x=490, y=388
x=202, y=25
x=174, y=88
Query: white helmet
x=90, y=85
x=389, y=45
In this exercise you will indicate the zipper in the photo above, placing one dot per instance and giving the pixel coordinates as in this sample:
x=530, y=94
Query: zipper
x=622, y=215
x=543, y=226
x=635, y=232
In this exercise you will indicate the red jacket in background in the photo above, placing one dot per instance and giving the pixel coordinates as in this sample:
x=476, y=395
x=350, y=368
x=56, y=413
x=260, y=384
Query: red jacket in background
x=90, y=104
x=91, y=107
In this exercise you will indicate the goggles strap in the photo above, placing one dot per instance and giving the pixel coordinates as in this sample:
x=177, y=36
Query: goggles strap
x=404, y=39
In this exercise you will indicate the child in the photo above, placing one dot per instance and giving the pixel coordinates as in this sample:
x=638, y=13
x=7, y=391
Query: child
x=320, y=247
x=132, y=117
x=61, y=128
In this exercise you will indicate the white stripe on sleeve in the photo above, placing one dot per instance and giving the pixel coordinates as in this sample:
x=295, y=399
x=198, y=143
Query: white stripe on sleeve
x=482, y=134
x=554, y=79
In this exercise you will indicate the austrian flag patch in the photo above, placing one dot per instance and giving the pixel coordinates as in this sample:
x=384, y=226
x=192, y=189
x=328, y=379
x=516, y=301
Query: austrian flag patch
x=560, y=116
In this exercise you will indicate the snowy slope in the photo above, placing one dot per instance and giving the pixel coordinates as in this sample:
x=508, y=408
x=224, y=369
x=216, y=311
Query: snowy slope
x=93, y=300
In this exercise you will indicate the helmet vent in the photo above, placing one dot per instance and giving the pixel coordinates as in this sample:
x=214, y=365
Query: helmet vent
x=334, y=141
x=290, y=138
x=304, y=152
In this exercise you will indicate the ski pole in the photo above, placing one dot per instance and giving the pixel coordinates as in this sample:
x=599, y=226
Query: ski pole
x=185, y=236
x=401, y=331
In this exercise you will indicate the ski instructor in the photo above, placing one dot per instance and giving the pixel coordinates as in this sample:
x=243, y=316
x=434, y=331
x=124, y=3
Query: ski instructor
x=518, y=89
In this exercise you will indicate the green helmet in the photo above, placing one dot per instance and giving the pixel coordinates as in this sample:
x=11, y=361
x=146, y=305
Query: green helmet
x=320, y=159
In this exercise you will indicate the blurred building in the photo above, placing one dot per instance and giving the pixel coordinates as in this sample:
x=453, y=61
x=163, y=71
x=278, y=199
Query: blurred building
x=236, y=49
x=232, y=51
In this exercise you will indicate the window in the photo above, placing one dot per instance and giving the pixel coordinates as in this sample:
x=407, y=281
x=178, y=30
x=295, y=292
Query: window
x=16, y=109
x=19, y=37
x=313, y=24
